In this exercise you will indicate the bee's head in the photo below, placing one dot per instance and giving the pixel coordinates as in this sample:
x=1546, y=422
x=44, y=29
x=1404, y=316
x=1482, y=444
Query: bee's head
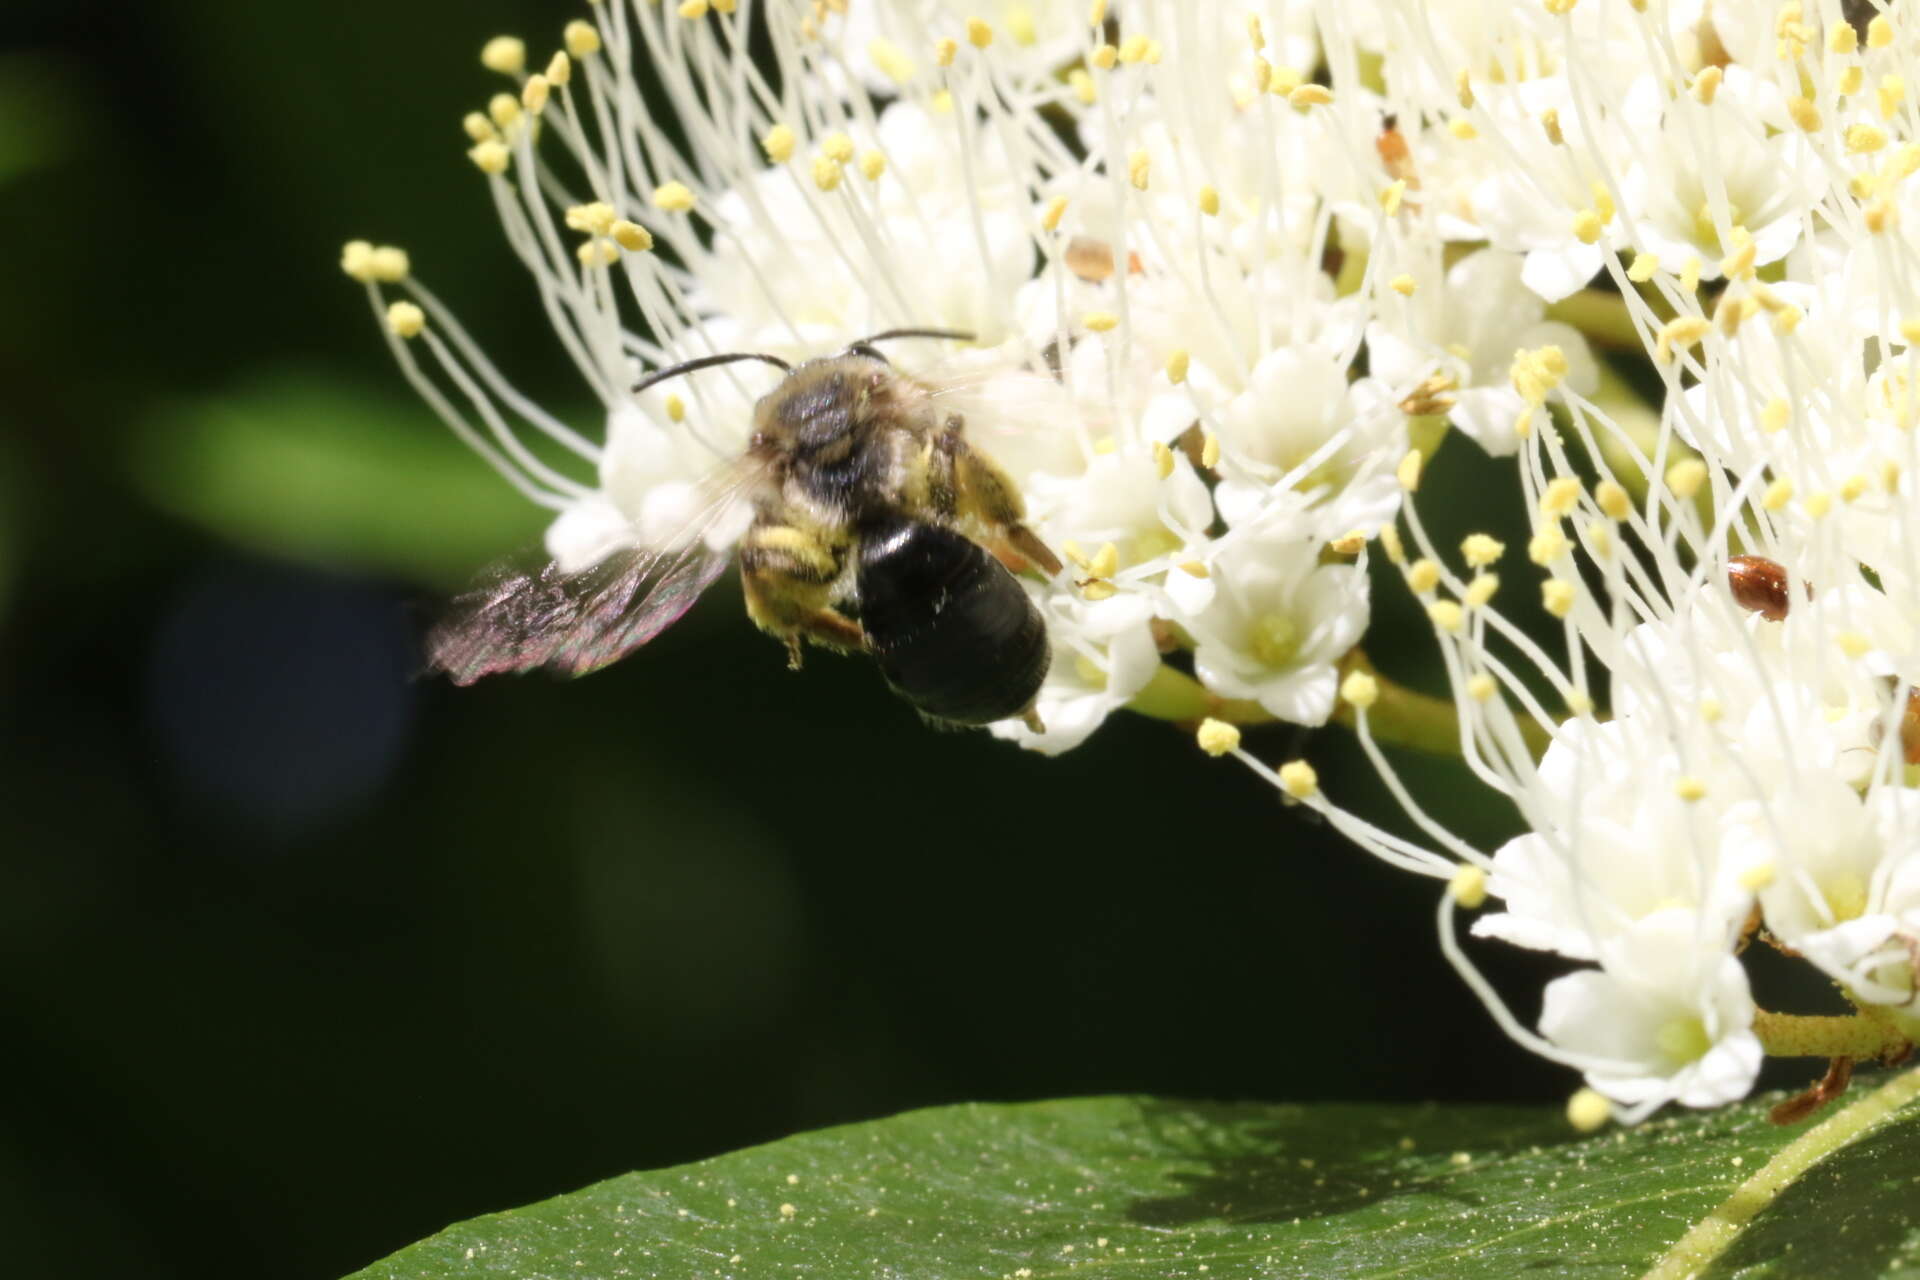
x=817, y=411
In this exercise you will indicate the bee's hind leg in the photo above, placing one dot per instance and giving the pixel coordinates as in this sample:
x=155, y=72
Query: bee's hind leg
x=982, y=491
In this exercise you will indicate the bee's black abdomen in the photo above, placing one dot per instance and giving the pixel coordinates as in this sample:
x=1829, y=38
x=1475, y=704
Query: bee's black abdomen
x=953, y=632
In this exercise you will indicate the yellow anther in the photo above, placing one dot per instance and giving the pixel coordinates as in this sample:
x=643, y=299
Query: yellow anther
x=893, y=62
x=674, y=197
x=837, y=147
x=1283, y=81
x=1097, y=589
x=1706, y=84
x=1104, y=56
x=1550, y=125
x=1209, y=200
x=1139, y=166
x=1557, y=596
x=1685, y=477
x=1613, y=500
x=1680, y=332
x=1390, y=543
x=1561, y=496
x=505, y=54
x=779, y=143
x=1195, y=569
x=1757, y=877
x=1481, y=590
x=1106, y=444
x=1096, y=13
x=1689, y=788
x=1740, y=262
x=1690, y=273
x=1056, y=210
x=1849, y=81
x=826, y=174
x=1546, y=546
x=1588, y=1110
x=490, y=156
x=1600, y=540
x=1890, y=475
x=1255, y=36
x=1359, y=690
x=1298, y=779
x=1711, y=710
x=676, y=409
x=1209, y=450
x=1136, y=48
x=1162, y=459
x=1463, y=88
x=1468, y=887
x=1105, y=562
x=406, y=320
x=979, y=34
x=1445, y=615
x=943, y=53
x=692, y=9
x=478, y=127
x=1076, y=554
x=631, y=236
x=1888, y=96
x=1100, y=321
x=356, y=259
x=1391, y=195
x=559, y=69
x=1778, y=494
x=503, y=109
x=1083, y=87
x=872, y=165
x=1817, y=504
x=1864, y=138
x=1217, y=737
x=725, y=6
x=1841, y=39
x=594, y=219
x=1310, y=95
x=1462, y=128
x=1880, y=215
x=1560, y=8
x=389, y=264
x=1644, y=265
x=1776, y=415
x=1788, y=318
x=597, y=253
x=1854, y=487
x=1423, y=575
x=1879, y=32
x=1579, y=703
x=1853, y=644
x=1408, y=472
x=1480, y=550
x=1177, y=364
x=1020, y=24
x=1804, y=113
x=582, y=38
x=1603, y=202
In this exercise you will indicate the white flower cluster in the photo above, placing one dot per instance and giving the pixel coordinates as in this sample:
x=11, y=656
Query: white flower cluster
x=1157, y=227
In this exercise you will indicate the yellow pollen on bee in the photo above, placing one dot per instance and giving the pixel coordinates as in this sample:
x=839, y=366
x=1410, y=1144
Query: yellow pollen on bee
x=1298, y=779
x=1588, y=1110
x=1083, y=87
x=1162, y=459
x=478, y=127
x=1359, y=690
x=1778, y=494
x=504, y=54
x=1853, y=644
x=1408, y=472
x=1423, y=575
x=892, y=60
x=406, y=320
x=595, y=218
x=1706, y=84
x=872, y=165
x=1217, y=737
x=1310, y=95
x=1689, y=788
x=1685, y=477
x=1557, y=597
x=1104, y=56
x=1139, y=165
x=1480, y=550
x=1195, y=569
x=503, y=109
x=1209, y=450
x=1613, y=500
x=979, y=34
x=1879, y=32
x=1468, y=887
x=490, y=157
x=1403, y=284
x=1644, y=265
x=674, y=197
x=943, y=53
x=1546, y=546
x=1561, y=496
x=1100, y=321
x=778, y=142
x=582, y=38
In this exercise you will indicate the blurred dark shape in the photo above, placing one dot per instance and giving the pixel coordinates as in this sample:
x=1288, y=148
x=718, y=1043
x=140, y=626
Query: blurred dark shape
x=281, y=697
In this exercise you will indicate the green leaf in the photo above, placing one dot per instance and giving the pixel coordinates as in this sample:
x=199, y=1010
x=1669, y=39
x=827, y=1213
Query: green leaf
x=1136, y=1187
x=311, y=469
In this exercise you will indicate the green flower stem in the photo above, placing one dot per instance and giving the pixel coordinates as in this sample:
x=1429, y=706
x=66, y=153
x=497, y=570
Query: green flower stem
x=1710, y=1237
x=1176, y=696
x=1602, y=315
x=1852, y=1035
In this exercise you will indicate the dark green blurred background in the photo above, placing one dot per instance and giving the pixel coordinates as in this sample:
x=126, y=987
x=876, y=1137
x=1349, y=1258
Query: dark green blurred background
x=301, y=959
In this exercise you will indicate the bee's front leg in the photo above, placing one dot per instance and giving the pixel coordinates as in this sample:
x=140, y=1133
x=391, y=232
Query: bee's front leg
x=788, y=576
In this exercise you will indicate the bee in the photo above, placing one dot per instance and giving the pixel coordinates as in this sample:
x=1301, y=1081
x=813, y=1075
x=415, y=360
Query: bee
x=875, y=528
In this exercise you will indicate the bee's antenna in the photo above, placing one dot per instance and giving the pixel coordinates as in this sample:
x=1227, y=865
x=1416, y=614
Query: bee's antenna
x=960, y=335
x=706, y=362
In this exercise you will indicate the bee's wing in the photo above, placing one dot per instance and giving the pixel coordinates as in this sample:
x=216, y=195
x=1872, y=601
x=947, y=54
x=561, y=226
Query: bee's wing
x=579, y=622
